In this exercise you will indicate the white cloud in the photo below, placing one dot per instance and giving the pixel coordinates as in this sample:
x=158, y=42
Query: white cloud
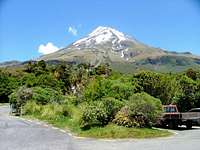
x=73, y=30
x=48, y=48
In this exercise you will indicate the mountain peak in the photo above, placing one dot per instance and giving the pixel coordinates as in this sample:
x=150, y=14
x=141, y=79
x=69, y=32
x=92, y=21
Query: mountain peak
x=108, y=31
x=101, y=35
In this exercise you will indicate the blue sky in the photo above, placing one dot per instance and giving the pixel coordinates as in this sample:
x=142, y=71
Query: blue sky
x=29, y=28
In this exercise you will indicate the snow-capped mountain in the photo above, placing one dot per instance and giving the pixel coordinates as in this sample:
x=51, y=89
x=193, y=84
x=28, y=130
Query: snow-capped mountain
x=103, y=42
x=102, y=35
x=106, y=38
x=107, y=45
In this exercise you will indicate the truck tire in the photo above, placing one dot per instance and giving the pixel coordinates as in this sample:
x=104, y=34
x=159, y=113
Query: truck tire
x=189, y=124
x=163, y=124
x=173, y=125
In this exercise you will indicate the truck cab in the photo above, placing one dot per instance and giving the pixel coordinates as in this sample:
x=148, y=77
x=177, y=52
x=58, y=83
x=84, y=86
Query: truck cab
x=171, y=117
x=170, y=109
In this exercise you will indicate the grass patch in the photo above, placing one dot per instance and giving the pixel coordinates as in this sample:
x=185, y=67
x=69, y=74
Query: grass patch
x=109, y=131
x=4, y=104
x=114, y=131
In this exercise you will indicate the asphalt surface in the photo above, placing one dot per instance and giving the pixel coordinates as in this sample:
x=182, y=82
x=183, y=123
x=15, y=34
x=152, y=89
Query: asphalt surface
x=19, y=134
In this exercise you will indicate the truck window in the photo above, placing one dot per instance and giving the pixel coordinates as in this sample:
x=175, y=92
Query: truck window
x=169, y=109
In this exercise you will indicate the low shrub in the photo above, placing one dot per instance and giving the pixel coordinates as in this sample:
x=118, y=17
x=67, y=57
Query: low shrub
x=19, y=98
x=145, y=105
x=122, y=118
x=94, y=114
x=112, y=106
x=47, y=112
x=141, y=110
x=32, y=108
x=38, y=94
x=54, y=111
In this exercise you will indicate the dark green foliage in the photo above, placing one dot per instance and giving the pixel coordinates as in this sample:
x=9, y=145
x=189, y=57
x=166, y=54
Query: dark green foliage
x=163, y=86
x=62, y=73
x=43, y=80
x=36, y=67
x=7, y=84
x=46, y=95
x=188, y=97
x=103, y=69
x=190, y=73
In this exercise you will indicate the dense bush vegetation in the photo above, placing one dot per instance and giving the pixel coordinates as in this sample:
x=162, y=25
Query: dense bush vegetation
x=96, y=96
x=37, y=94
x=140, y=111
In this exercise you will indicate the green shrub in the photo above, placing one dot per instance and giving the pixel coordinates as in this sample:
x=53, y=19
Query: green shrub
x=8, y=84
x=122, y=118
x=97, y=89
x=40, y=95
x=120, y=89
x=141, y=110
x=146, y=105
x=46, y=95
x=112, y=106
x=94, y=114
x=19, y=97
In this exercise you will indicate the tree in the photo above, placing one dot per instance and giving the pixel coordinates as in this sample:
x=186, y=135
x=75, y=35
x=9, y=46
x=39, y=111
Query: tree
x=103, y=69
x=162, y=86
x=62, y=73
x=37, y=68
x=8, y=84
x=191, y=74
x=187, y=99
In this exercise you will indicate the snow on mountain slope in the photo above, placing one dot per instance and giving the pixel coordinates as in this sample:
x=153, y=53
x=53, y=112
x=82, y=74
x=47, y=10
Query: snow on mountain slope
x=101, y=35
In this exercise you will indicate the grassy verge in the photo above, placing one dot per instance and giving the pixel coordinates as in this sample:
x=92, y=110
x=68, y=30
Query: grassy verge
x=109, y=131
x=114, y=131
x=2, y=104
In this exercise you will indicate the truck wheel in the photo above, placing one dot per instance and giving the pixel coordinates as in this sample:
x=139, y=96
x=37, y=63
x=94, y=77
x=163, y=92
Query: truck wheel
x=162, y=124
x=173, y=125
x=189, y=124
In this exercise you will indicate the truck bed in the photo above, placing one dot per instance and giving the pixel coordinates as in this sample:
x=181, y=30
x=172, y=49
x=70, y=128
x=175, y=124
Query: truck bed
x=193, y=116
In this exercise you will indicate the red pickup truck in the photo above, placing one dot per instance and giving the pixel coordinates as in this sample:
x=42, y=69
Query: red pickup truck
x=172, y=118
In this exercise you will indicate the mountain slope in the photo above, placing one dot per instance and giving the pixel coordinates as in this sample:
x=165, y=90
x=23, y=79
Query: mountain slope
x=10, y=63
x=107, y=45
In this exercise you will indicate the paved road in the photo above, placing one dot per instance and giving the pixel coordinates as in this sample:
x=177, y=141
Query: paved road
x=17, y=134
